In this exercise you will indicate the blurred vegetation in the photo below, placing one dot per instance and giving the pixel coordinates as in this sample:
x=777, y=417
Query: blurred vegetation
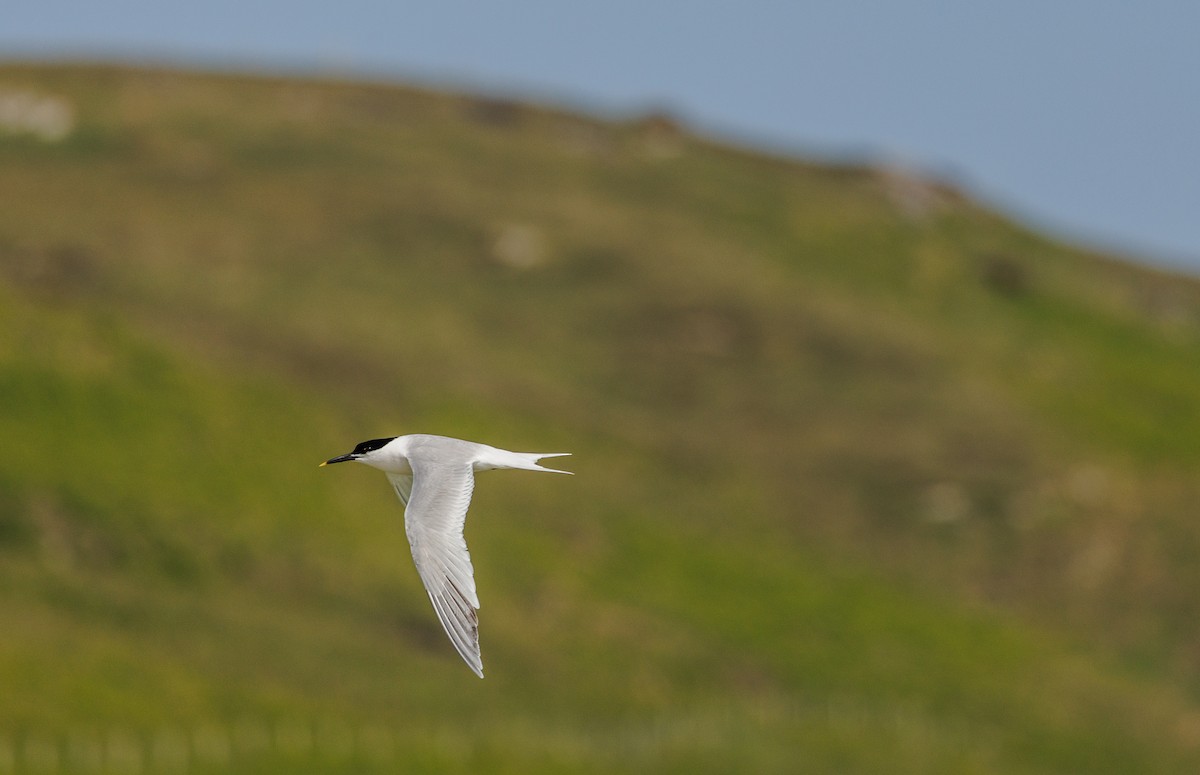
x=870, y=478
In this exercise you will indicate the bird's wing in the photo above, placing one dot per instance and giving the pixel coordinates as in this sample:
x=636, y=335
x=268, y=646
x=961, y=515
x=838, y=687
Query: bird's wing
x=433, y=519
x=402, y=484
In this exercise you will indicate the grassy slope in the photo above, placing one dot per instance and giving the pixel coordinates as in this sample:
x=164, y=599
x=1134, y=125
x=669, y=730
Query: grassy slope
x=870, y=479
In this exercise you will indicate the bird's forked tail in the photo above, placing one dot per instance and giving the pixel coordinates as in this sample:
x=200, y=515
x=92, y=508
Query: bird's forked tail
x=528, y=461
x=532, y=459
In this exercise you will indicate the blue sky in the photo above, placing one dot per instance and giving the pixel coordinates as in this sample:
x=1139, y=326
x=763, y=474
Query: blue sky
x=1079, y=117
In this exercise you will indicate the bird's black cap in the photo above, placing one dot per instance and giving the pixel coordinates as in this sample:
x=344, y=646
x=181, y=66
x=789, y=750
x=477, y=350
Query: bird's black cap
x=372, y=445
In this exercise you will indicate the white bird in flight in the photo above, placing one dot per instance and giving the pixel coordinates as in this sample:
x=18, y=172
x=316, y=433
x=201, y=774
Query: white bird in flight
x=434, y=477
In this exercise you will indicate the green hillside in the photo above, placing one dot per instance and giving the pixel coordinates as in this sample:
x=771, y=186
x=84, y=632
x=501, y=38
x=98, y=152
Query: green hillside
x=870, y=479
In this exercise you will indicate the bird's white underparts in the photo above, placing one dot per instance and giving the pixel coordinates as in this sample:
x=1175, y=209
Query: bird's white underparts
x=434, y=477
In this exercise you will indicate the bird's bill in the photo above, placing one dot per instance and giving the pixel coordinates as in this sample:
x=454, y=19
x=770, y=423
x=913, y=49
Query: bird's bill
x=338, y=459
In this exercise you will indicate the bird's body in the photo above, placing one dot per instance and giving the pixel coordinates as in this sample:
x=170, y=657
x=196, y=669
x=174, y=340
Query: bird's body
x=434, y=477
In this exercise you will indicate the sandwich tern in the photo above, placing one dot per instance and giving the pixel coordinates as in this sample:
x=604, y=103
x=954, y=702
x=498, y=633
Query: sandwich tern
x=434, y=477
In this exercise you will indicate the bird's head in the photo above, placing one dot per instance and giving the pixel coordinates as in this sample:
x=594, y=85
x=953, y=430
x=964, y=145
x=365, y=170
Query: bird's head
x=365, y=452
